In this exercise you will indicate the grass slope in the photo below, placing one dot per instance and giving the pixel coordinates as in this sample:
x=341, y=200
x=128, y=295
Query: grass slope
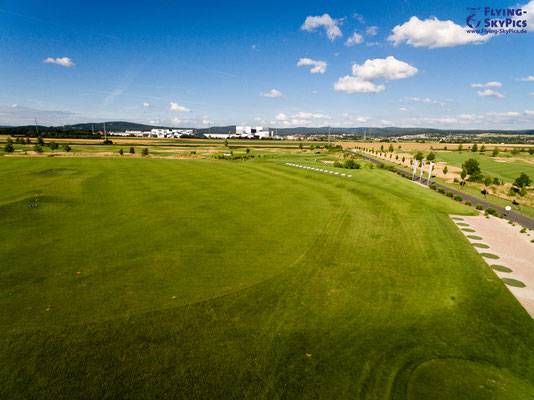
x=205, y=279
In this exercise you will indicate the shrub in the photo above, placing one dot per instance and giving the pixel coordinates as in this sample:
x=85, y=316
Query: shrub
x=441, y=190
x=144, y=152
x=132, y=150
x=445, y=170
x=38, y=148
x=121, y=152
x=67, y=148
x=9, y=148
x=449, y=194
x=458, y=197
x=337, y=164
x=479, y=207
x=433, y=187
x=468, y=202
x=491, y=210
x=456, y=180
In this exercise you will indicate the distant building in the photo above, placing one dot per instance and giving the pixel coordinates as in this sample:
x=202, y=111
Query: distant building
x=257, y=132
x=217, y=135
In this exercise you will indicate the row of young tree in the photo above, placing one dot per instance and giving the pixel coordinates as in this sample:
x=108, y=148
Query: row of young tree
x=38, y=147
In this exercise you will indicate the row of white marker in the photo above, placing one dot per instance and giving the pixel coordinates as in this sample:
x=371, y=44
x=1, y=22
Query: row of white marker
x=317, y=169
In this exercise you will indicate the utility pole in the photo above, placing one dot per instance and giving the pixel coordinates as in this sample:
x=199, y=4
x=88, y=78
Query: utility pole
x=328, y=136
x=36, y=127
x=93, y=129
x=105, y=134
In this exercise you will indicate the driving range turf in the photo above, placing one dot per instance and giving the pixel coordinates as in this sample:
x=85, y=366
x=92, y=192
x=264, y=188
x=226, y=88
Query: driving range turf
x=219, y=279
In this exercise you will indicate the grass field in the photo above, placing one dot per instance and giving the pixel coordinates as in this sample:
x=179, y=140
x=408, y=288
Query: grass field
x=507, y=171
x=219, y=279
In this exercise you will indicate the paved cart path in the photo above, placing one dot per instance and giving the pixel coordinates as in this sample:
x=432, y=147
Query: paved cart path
x=514, y=249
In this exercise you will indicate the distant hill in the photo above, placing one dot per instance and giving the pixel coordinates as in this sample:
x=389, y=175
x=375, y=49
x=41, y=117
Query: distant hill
x=112, y=126
x=121, y=126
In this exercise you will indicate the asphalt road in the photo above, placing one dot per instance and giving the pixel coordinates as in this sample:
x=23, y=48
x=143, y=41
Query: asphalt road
x=509, y=215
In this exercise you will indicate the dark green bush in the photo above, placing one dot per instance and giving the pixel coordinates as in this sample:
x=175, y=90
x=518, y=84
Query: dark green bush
x=468, y=203
x=449, y=194
x=480, y=207
x=491, y=210
x=441, y=190
x=458, y=197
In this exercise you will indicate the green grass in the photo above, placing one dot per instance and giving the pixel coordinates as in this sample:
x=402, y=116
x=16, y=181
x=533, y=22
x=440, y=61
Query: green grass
x=481, y=245
x=215, y=279
x=468, y=230
x=507, y=171
x=489, y=255
x=513, y=282
x=474, y=237
x=501, y=268
x=462, y=224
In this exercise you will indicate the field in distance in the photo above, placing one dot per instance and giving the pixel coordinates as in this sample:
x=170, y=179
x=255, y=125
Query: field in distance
x=204, y=278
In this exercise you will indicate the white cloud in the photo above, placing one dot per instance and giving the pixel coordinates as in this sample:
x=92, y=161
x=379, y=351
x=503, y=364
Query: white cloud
x=352, y=84
x=403, y=109
x=425, y=100
x=433, y=33
x=14, y=105
x=308, y=115
x=318, y=66
x=356, y=118
x=486, y=85
x=272, y=93
x=528, y=15
x=153, y=122
x=63, y=61
x=371, y=30
x=490, y=93
x=532, y=94
x=383, y=68
x=281, y=117
x=179, y=108
x=528, y=78
x=176, y=121
x=385, y=122
x=254, y=47
x=379, y=68
x=354, y=39
x=504, y=114
x=372, y=44
x=325, y=21
x=145, y=104
x=359, y=17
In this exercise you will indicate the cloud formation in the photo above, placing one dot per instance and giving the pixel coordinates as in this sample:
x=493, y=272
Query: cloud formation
x=388, y=69
x=487, y=84
x=528, y=78
x=433, y=33
x=354, y=39
x=145, y=104
x=318, y=66
x=273, y=93
x=63, y=61
x=324, y=21
x=179, y=108
x=490, y=93
x=371, y=30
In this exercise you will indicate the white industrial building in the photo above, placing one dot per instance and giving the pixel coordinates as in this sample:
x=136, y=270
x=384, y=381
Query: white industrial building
x=256, y=132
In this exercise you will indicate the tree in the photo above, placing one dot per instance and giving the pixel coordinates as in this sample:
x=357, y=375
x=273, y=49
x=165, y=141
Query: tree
x=40, y=141
x=403, y=158
x=28, y=141
x=121, y=152
x=531, y=150
x=460, y=147
x=312, y=147
x=132, y=150
x=301, y=146
x=495, y=152
x=471, y=166
x=390, y=148
x=248, y=151
x=463, y=174
x=474, y=149
x=431, y=156
x=144, y=152
x=523, y=181
x=226, y=142
x=67, y=148
x=483, y=148
x=515, y=151
x=445, y=170
x=38, y=148
x=419, y=156
x=54, y=146
x=9, y=148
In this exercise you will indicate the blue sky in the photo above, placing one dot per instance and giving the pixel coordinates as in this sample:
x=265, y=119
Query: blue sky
x=224, y=63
